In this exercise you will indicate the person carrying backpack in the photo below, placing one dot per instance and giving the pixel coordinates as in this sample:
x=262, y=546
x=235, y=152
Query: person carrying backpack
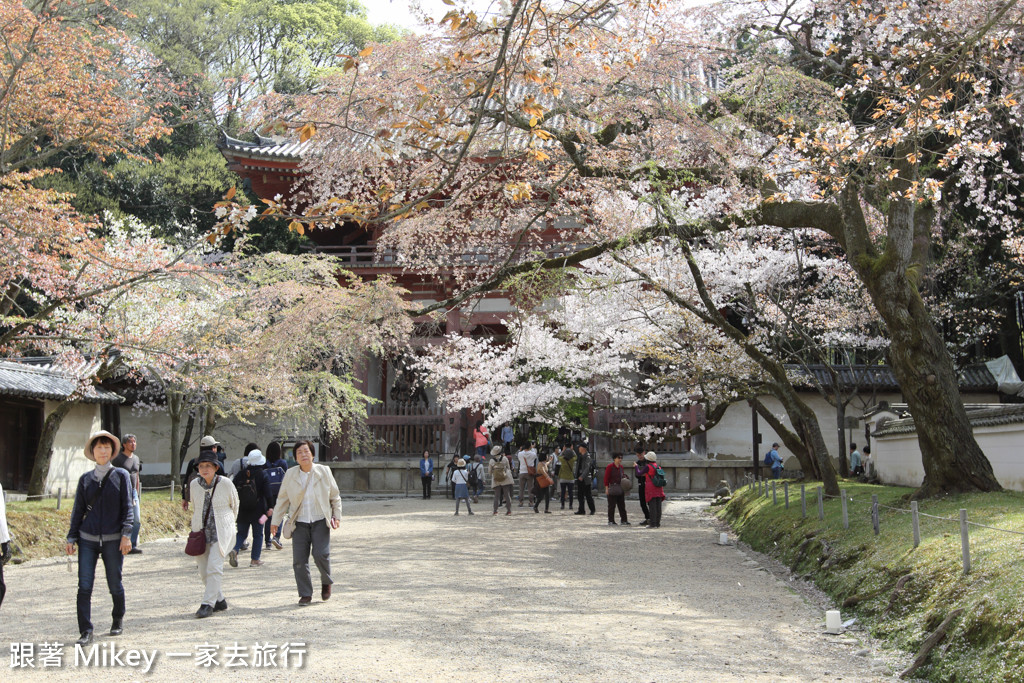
x=586, y=466
x=501, y=479
x=773, y=460
x=253, y=507
x=475, y=470
x=460, y=479
x=275, y=468
x=654, y=488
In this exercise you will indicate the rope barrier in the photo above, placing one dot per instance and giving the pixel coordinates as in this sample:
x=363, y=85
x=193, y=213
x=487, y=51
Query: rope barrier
x=905, y=511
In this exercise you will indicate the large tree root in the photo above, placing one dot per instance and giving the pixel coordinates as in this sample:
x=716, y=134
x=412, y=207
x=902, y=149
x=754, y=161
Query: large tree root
x=930, y=642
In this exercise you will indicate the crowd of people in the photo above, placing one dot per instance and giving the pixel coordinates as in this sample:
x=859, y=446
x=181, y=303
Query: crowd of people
x=567, y=473
x=269, y=497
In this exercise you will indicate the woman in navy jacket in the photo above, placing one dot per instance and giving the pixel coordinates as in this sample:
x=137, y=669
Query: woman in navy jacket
x=101, y=525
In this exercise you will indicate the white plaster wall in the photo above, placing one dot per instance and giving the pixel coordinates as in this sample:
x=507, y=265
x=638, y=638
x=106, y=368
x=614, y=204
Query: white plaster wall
x=68, y=461
x=731, y=438
x=898, y=457
x=153, y=432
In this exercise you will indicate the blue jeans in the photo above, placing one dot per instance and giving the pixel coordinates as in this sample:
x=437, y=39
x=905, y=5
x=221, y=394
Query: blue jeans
x=89, y=553
x=137, y=524
x=776, y=472
x=481, y=450
x=243, y=526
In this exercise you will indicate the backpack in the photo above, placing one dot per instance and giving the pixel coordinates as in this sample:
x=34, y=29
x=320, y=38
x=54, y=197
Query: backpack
x=659, y=477
x=248, y=496
x=474, y=475
x=275, y=477
x=501, y=469
x=768, y=460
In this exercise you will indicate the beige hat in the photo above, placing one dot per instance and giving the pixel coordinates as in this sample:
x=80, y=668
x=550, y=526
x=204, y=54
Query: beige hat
x=92, y=442
x=651, y=455
x=496, y=451
x=460, y=463
x=208, y=442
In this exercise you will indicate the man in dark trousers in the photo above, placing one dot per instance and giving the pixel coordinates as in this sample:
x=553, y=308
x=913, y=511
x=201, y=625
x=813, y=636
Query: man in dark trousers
x=584, y=479
x=641, y=484
x=127, y=460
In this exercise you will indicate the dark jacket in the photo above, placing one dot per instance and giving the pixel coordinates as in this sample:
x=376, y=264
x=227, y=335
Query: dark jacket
x=112, y=514
x=584, y=463
x=263, y=493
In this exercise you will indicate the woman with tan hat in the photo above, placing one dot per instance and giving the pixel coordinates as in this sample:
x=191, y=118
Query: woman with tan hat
x=654, y=492
x=460, y=479
x=101, y=526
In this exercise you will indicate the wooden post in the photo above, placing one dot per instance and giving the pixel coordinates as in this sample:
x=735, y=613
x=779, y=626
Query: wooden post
x=874, y=513
x=58, y=498
x=803, y=500
x=766, y=488
x=965, y=541
x=785, y=490
x=917, y=523
x=172, y=488
x=821, y=505
x=846, y=516
x=775, y=498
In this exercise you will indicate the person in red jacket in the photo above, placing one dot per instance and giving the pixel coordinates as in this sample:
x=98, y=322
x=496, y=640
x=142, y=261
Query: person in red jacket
x=613, y=476
x=655, y=494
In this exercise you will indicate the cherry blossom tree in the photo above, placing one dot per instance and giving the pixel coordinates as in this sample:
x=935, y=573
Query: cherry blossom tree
x=856, y=120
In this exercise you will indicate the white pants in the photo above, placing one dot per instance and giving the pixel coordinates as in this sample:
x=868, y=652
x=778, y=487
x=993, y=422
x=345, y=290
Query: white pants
x=211, y=571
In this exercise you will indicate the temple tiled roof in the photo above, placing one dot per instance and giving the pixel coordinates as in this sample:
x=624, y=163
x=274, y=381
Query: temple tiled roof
x=27, y=380
x=974, y=378
x=274, y=148
x=980, y=416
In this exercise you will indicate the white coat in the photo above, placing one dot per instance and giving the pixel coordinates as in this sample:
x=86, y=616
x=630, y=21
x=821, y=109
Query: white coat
x=323, y=490
x=224, y=512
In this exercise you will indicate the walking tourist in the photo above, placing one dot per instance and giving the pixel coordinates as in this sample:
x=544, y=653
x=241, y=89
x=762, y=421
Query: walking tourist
x=773, y=460
x=275, y=468
x=856, y=466
x=614, y=473
x=5, y=544
x=527, y=470
x=542, y=484
x=654, y=489
x=426, y=473
x=460, y=480
x=101, y=526
x=214, y=514
x=253, y=507
x=566, y=478
x=501, y=479
x=475, y=470
x=507, y=435
x=641, y=485
x=128, y=461
x=310, y=497
x=585, y=467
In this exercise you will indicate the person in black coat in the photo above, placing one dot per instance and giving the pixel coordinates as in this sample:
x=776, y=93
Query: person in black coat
x=254, y=507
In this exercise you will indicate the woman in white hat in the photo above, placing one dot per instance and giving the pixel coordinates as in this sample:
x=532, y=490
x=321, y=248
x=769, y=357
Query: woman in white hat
x=460, y=479
x=101, y=526
x=655, y=494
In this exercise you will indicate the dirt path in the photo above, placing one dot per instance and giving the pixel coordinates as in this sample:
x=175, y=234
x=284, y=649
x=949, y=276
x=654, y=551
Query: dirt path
x=422, y=595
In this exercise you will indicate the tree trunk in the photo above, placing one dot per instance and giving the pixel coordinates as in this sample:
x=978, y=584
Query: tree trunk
x=952, y=459
x=44, y=451
x=793, y=441
x=844, y=464
x=175, y=402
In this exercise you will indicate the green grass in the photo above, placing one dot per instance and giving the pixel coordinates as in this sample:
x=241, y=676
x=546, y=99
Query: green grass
x=985, y=644
x=38, y=528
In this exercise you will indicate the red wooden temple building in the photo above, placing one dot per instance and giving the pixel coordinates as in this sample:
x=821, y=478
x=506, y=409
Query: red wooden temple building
x=406, y=421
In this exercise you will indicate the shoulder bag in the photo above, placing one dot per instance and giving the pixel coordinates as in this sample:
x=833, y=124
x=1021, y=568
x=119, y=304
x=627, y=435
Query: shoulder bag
x=288, y=528
x=196, y=543
x=625, y=483
x=543, y=479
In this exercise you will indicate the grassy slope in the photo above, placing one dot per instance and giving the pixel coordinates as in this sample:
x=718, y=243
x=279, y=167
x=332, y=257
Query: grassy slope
x=38, y=528
x=985, y=644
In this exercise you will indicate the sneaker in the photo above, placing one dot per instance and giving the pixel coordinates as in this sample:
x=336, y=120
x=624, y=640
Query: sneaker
x=645, y=522
x=547, y=512
x=276, y=543
x=471, y=512
x=256, y=563
x=305, y=600
x=626, y=524
x=220, y=605
x=579, y=513
x=204, y=611
x=233, y=558
x=267, y=547
x=245, y=545
x=612, y=524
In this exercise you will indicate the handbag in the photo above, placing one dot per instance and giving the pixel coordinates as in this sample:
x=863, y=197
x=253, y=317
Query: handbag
x=196, y=543
x=288, y=528
x=543, y=480
x=626, y=484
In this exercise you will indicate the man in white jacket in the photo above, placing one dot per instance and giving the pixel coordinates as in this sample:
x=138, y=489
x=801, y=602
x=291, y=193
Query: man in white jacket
x=5, y=543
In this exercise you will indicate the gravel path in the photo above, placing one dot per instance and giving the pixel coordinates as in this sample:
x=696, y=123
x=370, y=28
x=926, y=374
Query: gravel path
x=422, y=595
